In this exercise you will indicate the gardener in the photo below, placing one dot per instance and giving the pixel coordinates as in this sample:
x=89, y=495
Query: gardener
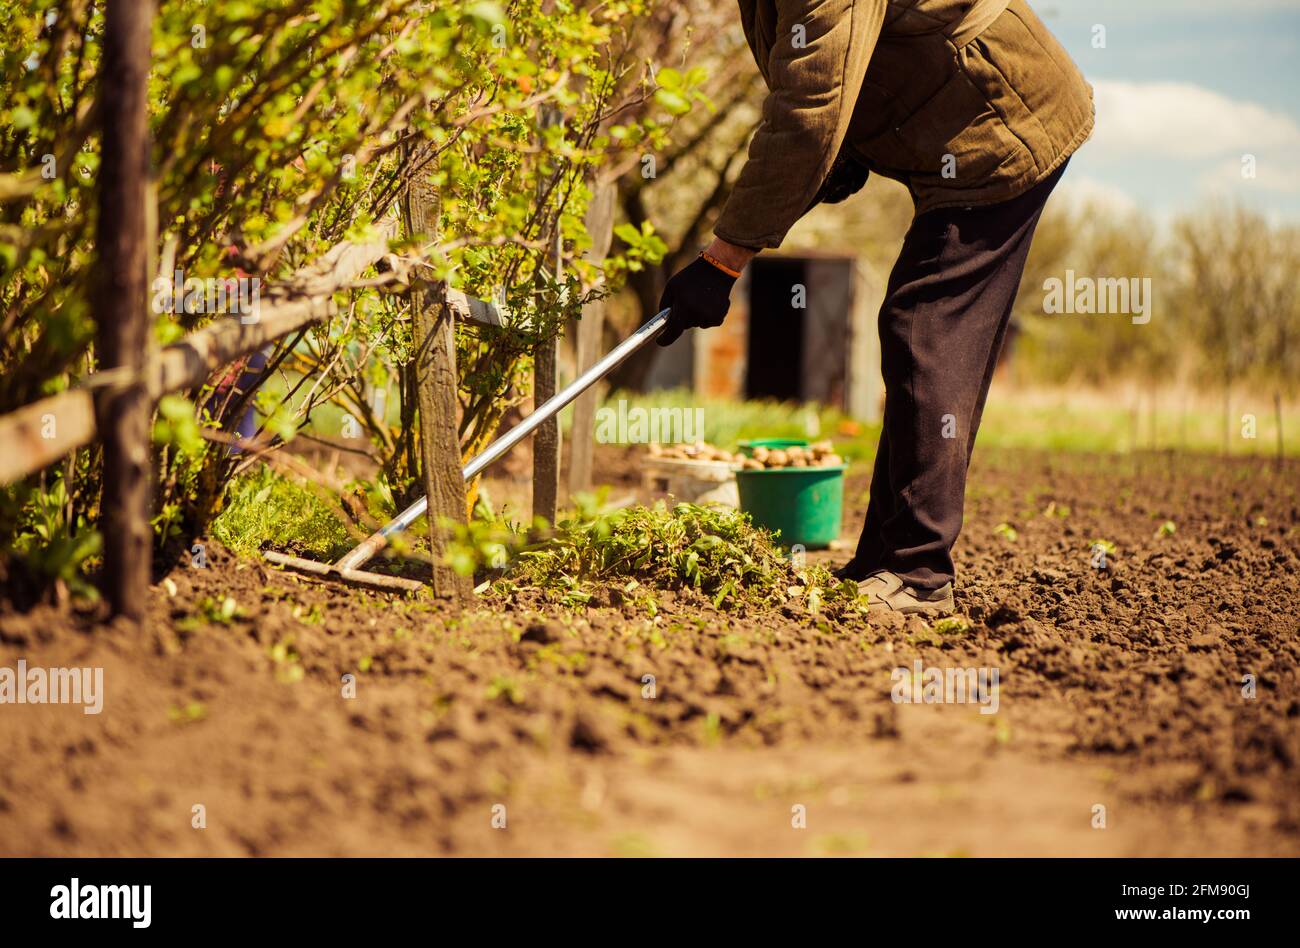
x=975, y=107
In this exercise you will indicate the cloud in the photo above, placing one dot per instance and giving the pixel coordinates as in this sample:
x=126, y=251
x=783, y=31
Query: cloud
x=1161, y=10
x=1227, y=177
x=1181, y=120
x=1084, y=193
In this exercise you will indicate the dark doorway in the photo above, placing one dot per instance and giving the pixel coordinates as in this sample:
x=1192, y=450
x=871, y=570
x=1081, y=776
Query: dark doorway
x=776, y=330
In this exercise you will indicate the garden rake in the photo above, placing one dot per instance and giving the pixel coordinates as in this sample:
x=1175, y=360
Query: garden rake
x=348, y=567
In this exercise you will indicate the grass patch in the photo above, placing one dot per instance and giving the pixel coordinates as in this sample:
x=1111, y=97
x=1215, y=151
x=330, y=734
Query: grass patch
x=1064, y=418
x=265, y=509
x=727, y=422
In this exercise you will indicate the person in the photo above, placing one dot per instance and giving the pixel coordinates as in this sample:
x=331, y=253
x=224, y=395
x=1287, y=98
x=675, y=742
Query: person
x=976, y=108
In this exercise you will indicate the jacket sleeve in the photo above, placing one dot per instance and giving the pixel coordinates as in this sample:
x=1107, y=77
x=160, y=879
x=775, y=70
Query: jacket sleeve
x=814, y=72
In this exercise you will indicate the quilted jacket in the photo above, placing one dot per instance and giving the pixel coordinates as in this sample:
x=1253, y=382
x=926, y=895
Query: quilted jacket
x=965, y=101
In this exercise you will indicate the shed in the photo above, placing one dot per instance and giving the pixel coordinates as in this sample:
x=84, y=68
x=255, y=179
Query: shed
x=802, y=327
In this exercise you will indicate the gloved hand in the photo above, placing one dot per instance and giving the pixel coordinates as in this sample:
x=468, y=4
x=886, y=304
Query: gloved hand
x=699, y=295
x=845, y=179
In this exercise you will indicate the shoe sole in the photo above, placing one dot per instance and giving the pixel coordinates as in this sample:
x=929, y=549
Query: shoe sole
x=943, y=607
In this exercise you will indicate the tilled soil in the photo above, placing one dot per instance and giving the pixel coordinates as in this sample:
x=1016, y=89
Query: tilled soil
x=1126, y=722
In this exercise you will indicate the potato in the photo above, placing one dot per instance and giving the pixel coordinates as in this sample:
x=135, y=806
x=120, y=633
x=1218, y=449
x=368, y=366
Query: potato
x=831, y=460
x=823, y=447
x=800, y=461
x=777, y=458
x=794, y=451
x=760, y=454
x=750, y=464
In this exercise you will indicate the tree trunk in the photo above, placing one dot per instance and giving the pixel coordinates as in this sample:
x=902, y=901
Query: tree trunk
x=122, y=304
x=435, y=381
x=600, y=226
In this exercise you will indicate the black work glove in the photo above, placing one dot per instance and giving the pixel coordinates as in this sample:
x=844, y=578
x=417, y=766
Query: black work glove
x=845, y=179
x=699, y=295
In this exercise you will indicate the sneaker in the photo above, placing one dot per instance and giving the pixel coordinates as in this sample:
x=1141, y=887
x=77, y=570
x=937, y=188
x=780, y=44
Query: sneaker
x=885, y=591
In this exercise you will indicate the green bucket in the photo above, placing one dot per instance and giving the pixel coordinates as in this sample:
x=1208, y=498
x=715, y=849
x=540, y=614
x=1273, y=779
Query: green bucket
x=804, y=503
x=772, y=444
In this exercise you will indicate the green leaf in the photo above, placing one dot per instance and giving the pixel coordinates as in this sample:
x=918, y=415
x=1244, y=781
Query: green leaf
x=674, y=102
x=669, y=78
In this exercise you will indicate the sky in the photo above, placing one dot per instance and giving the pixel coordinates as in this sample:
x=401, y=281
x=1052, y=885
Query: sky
x=1184, y=89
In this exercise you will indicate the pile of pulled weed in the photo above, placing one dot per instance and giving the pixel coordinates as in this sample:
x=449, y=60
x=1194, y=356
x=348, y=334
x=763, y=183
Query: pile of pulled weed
x=714, y=550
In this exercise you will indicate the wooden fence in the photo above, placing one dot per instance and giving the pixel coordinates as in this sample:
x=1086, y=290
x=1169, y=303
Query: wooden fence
x=114, y=406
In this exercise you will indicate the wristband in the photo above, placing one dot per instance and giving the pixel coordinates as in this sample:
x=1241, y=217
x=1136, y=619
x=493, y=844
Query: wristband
x=734, y=274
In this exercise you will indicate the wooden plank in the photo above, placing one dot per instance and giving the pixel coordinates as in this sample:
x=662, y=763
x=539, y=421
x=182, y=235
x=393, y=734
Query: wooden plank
x=192, y=360
x=600, y=227
x=121, y=304
x=436, y=383
x=467, y=307
x=304, y=298
x=38, y=434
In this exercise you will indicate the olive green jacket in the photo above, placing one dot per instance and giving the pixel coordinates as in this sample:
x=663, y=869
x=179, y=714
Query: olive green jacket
x=965, y=101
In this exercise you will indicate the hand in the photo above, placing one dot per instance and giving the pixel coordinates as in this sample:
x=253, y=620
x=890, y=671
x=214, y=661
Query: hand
x=845, y=178
x=698, y=296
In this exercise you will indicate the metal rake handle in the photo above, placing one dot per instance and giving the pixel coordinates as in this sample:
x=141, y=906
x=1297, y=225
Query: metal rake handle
x=494, y=451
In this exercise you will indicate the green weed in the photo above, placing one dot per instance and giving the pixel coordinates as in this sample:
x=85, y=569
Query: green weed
x=951, y=626
x=48, y=548
x=715, y=550
x=264, y=508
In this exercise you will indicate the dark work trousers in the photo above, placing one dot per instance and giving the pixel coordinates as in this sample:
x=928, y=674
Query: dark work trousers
x=942, y=325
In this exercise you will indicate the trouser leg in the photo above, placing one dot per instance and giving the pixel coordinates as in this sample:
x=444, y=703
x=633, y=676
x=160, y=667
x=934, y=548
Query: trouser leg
x=942, y=325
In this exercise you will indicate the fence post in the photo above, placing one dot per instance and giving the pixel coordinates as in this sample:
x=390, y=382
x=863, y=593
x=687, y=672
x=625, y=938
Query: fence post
x=122, y=303
x=600, y=226
x=546, y=441
x=546, y=380
x=436, y=382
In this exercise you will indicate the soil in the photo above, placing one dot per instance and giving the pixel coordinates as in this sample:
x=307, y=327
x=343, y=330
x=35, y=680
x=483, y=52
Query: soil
x=1123, y=724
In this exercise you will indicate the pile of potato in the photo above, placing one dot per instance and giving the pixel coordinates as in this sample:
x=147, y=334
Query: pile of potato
x=821, y=454
x=699, y=451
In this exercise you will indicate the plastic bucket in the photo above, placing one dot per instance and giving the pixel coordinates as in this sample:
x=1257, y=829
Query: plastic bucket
x=804, y=503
